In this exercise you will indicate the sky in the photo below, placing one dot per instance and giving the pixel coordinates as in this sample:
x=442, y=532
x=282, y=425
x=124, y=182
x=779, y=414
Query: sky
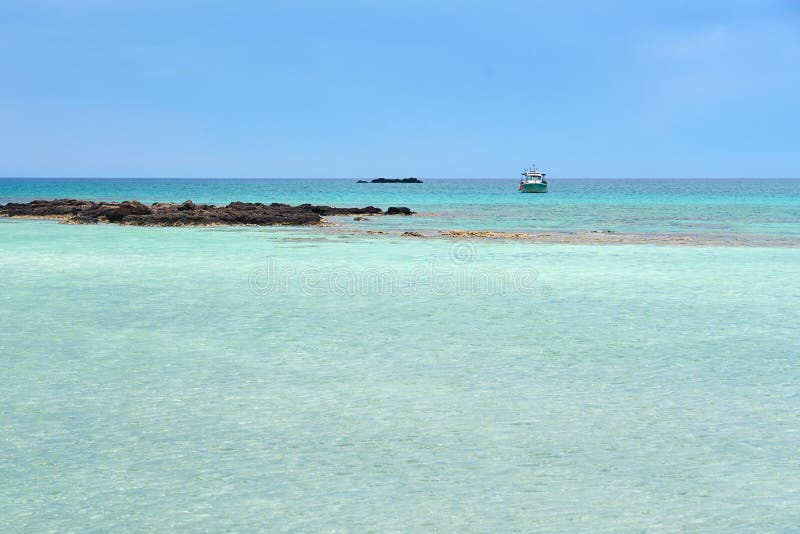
x=349, y=88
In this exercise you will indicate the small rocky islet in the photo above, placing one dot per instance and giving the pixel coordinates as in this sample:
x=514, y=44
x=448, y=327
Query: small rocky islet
x=411, y=180
x=135, y=213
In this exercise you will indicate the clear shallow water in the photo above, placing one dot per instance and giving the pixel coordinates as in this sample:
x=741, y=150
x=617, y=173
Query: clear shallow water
x=241, y=378
x=743, y=208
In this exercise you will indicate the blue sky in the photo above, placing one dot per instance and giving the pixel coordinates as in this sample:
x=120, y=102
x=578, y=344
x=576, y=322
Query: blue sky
x=399, y=88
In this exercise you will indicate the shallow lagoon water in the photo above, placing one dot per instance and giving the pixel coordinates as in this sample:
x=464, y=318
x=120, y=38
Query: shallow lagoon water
x=741, y=208
x=239, y=379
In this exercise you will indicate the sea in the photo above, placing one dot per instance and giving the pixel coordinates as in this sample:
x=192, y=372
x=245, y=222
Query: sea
x=358, y=378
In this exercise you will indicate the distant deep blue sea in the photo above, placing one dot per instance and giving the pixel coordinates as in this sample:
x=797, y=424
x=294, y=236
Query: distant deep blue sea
x=333, y=379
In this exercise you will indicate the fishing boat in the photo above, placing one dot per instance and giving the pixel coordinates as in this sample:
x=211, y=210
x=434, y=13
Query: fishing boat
x=532, y=181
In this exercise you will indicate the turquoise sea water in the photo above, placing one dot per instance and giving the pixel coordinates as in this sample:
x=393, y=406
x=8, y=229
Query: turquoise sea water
x=237, y=379
x=748, y=209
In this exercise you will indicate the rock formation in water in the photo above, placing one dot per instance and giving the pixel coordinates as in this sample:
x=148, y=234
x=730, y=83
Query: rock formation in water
x=135, y=213
x=398, y=210
x=411, y=180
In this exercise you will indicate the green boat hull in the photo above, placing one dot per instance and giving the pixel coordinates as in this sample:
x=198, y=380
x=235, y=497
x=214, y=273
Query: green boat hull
x=533, y=188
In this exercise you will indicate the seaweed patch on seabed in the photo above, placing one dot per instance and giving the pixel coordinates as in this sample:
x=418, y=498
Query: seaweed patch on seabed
x=301, y=241
x=603, y=237
x=596, y=237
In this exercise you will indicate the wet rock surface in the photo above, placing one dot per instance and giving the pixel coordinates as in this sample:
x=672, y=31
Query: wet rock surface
x=188, y=213
x=398, y=210
x=62, y=208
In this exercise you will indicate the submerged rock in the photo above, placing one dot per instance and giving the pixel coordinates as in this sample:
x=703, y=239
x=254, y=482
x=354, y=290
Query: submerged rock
x=135, y=213
x=484, y=234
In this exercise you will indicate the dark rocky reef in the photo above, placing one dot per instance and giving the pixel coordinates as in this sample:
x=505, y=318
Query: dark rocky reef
x=135, y=213
x=399, y=210
x=391, y=181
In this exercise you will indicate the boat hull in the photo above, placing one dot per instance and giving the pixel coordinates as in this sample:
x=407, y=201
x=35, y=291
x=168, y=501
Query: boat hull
x=533, y=188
